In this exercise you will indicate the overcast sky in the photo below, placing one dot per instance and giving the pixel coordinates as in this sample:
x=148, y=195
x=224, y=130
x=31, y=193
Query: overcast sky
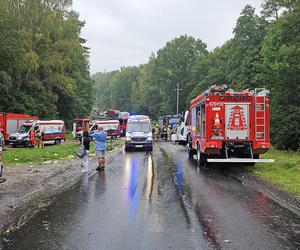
x=125, y=32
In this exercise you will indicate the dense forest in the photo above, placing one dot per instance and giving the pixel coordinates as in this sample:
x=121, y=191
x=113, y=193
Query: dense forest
x=43, y=61
x=264, y=52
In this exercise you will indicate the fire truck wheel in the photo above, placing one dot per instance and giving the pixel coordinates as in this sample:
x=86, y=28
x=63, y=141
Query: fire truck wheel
x=191, y=151
x=57, y=142
x=199, y=160
x=1, y=170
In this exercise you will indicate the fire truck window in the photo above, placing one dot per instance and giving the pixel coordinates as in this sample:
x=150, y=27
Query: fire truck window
x=78, y=123
x=198, y=127
x=203, y=121
x=95, y=127
x=194, y=120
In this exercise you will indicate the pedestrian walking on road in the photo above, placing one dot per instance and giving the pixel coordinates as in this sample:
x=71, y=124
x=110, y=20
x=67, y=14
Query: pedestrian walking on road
x=100, y=147
x=85, y=159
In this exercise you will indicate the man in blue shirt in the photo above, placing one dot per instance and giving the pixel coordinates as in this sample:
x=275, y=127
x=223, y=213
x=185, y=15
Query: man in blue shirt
x=100, y=147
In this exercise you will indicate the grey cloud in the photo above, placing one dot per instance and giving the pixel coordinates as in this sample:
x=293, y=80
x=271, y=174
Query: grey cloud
x=125, y=32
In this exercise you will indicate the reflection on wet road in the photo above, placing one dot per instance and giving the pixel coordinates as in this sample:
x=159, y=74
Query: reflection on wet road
x=232, y=215
x=133, y=205
x=159, y=201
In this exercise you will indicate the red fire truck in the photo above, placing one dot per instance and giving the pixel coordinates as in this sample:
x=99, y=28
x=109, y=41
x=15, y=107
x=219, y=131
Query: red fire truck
x=9, y=123
x=229, y=126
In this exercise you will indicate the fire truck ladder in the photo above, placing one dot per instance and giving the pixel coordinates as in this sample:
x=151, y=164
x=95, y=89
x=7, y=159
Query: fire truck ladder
x=260, y=114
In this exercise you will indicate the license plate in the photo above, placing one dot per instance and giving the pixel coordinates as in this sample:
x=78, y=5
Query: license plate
x=138, y=146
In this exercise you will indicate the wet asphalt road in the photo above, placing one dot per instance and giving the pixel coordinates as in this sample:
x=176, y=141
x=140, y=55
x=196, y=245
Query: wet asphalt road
x=159, y=201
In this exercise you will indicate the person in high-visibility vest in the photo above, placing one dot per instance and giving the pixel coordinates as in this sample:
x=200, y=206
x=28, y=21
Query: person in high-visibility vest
x=168, y=132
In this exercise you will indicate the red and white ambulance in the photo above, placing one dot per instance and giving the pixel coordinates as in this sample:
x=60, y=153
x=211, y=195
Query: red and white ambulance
x=54, y=132
x=229, y=126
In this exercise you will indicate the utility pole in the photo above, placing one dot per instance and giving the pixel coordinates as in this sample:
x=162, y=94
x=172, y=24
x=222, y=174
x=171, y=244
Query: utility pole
x=177, y=102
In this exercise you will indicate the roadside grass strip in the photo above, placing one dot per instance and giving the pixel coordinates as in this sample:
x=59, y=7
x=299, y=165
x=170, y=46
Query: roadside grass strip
x=67, y=150
x=285, y=172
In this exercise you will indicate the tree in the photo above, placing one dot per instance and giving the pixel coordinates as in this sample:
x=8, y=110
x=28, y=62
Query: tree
x=43, y=57
x=281, y=71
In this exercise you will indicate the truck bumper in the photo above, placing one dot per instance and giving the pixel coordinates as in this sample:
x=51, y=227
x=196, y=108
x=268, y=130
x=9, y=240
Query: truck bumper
x=240, y=160
x=146, y=145
x=19, y=143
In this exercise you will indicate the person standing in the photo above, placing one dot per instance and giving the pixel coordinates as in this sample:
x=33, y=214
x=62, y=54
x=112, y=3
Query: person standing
x=100, y=147
x=37, y=136
x=42, y=143
x=86, y=143
x=32, y=138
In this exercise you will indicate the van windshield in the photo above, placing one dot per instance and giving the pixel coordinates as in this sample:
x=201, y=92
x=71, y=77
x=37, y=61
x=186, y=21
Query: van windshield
x=23, y=129
x=112, y=126
x=107, y=126
x=138, y=127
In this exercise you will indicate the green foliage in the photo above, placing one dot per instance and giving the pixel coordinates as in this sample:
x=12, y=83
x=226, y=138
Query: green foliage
x=281, y=71
x=285, y=172
x=44, y=67
x=142, y=89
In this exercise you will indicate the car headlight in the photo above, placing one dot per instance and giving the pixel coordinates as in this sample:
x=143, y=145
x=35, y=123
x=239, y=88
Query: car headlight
x=149, y=138
x=19, y=137
x=128, y=138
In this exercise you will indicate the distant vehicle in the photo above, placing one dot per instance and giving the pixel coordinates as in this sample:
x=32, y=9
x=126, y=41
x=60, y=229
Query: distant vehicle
x=123, y=118
x=230, y=126
x=112, y=113
x=112, y=128
x=182, y=129
x=54, y=132
x=1, y=153
x=9, y=123
x=80, y=124
x=139, y=133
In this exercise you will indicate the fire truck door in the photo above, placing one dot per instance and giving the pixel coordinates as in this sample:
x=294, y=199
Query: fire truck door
x=237, y=121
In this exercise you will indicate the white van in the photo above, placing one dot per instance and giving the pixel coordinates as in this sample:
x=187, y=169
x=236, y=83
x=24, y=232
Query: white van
x=54, y=131
x=138, y=133
x=182, y=129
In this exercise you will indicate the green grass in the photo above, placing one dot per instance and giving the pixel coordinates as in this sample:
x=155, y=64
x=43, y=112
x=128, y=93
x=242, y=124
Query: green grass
x=285, y=172
x=17, y=156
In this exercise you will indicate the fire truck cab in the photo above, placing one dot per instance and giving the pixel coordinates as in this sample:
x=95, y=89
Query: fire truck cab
x=229, y=126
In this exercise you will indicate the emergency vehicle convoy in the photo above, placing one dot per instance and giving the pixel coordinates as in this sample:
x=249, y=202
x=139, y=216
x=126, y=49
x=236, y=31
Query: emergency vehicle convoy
x=229, y=126
x=54, y=132
x=9, y=123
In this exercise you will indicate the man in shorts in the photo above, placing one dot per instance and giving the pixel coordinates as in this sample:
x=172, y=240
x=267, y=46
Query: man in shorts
x=100, y=147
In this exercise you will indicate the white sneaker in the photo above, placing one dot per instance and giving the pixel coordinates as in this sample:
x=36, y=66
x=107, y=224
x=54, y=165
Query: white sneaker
x=84, y=170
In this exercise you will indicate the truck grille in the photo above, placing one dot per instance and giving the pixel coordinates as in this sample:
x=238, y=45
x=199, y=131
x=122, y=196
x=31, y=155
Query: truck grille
x=139, y=139
x=12, y=138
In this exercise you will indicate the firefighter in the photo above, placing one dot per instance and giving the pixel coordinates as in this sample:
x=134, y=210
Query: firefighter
x=32, y=137
x=168, y=132
x=164, y=133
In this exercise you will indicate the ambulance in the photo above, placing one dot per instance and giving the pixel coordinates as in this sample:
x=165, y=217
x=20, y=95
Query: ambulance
x=54, y=132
